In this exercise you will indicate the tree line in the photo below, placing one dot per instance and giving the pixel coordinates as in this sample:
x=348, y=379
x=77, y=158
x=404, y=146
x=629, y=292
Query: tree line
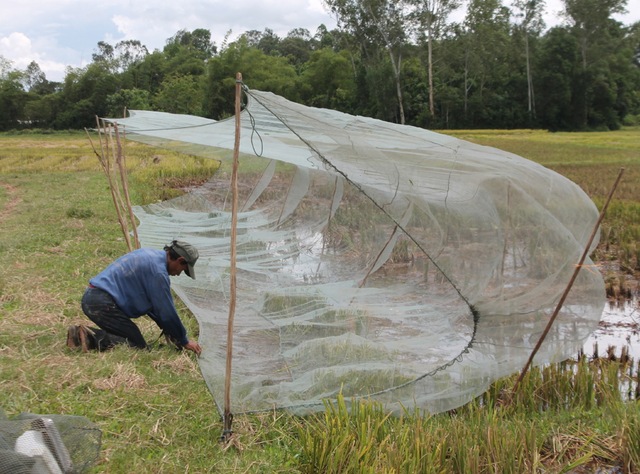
x=402, y=61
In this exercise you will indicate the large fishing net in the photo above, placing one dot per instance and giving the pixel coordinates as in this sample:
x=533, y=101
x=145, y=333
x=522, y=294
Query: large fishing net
x=375, y=260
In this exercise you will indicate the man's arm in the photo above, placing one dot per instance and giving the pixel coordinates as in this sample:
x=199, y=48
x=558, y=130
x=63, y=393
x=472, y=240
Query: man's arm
x=190, y=345
x=165, y=315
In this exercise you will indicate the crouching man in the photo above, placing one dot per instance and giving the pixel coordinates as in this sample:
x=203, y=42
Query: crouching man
x=134, y=285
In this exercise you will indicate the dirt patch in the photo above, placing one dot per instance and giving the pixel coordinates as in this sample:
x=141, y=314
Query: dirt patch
x=14, y=200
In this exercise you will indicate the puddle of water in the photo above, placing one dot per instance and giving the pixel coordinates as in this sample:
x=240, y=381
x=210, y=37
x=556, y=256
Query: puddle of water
x=619, y=327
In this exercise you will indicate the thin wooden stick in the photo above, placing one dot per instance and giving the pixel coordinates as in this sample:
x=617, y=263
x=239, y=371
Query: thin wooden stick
x=111, y=146
x=105, y=163
x=570, y=284
x=122, y=167
x=228, y=417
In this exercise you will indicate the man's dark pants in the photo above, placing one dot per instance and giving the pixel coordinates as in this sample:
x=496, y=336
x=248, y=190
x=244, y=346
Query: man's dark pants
x=117, y=327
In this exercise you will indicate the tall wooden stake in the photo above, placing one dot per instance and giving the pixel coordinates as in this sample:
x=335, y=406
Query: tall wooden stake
x=107, y=156
x=569, y=285
x=124, y=180
x=228, y=416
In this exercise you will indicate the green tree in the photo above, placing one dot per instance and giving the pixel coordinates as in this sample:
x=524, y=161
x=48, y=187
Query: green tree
x=33, y=76
x=589, y=20
x=327, y=80
x=5, y=67
x=197, y=42
x=186, y=53
x=417, y=93
x=127, y=99
x=325, y=38
x=128, y=53
x=40, y=110
x=379, y=23
x=269, y=43
x=148, y=74
x=558, y=62
x=486, y=39
x=104, y=54
x=83, y=95
x=259, y=71
x=13, y=98
x=432, y=16
x=634, y=41
x=180, y=95
x=120, y=58
x=297, y=47
x=450, y=80
x=591, y=24
x=529, y=24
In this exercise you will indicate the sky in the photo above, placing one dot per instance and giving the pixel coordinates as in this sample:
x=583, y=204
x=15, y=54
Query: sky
x=62, y=33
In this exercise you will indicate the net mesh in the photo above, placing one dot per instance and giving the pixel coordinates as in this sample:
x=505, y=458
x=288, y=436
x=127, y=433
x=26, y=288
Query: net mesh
x=48, y=444
x=375, y=260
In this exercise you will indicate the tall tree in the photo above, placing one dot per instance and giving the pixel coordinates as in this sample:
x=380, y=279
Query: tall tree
x=148, y=74
x=187, y=52
x=104, y=53
x=179, y=95
x=378, y=22
x=529, y=22
x=600, y=41
x=129, y=53
x=325, y=38
x=127, y=99
x=84, y=93
x=634, y=39
x=589, y=19
x=13, y=98
x=327, y=80
x=297, y=47
x=5, y=67
x=269, y=43
x=486, y=37
x=558, y=60
x=197, y=42
x=33, y=76
x=432, y=16
x=259, y=71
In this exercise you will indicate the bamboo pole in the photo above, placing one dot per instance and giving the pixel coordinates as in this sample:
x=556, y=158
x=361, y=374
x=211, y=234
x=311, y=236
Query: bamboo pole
x=124, y=180
x=228, y=416
x=107, y=168
x=570, y=284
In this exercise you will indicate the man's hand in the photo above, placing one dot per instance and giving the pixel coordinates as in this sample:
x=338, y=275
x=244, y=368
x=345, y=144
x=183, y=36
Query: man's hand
x=193, y=346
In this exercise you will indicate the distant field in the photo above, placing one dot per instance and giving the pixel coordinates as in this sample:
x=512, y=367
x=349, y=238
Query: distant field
x=592, y=160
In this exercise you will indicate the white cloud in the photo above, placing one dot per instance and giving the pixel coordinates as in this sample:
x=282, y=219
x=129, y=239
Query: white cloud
x=17, y=46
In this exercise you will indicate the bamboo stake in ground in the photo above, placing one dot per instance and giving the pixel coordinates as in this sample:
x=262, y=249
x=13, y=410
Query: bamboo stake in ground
x=569, y=285
x=122, y=167
x=228, y=417
x=106, y=150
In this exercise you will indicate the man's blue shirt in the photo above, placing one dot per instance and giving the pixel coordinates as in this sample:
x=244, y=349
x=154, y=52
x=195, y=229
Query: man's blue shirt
x=139, y=283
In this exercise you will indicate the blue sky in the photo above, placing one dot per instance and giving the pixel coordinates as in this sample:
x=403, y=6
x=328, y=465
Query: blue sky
x=62, y=33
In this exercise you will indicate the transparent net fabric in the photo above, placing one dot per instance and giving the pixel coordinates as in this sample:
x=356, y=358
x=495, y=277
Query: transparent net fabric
x=48, y=444
x=375, y=260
